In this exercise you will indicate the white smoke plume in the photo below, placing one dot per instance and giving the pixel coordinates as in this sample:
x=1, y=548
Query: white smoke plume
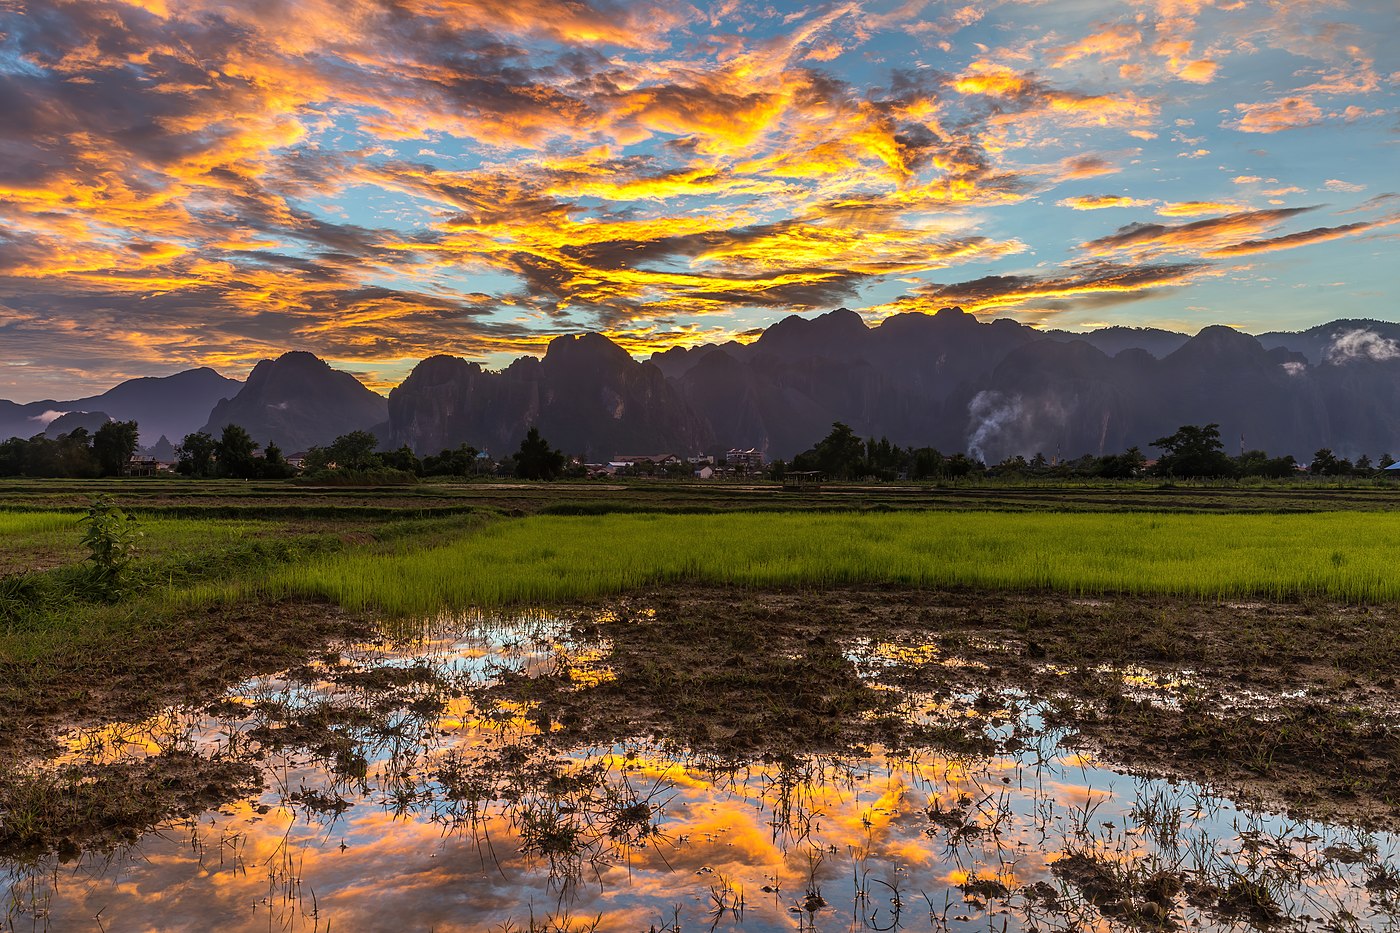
x=48, y=417
x=1294, y=368
x=989, y=413
x=1361, y=344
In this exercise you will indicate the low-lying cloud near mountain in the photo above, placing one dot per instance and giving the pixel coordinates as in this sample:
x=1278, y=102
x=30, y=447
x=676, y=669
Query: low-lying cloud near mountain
x=1362, y=344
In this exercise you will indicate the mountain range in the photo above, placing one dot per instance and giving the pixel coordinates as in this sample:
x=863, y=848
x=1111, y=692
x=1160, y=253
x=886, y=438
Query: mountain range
x=169, y=406
x=948, y=380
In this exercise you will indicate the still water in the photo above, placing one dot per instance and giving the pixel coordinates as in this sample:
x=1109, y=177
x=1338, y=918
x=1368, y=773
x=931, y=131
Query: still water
x=394, y=801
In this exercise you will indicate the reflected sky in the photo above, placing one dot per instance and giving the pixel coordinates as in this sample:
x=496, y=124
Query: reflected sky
x=437, y=813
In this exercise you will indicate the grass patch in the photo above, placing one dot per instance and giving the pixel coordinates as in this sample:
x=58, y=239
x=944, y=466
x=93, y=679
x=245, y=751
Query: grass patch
x=1339, y=556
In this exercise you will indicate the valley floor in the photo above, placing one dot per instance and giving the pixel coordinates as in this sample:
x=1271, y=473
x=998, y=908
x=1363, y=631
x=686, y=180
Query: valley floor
x=1282, y=694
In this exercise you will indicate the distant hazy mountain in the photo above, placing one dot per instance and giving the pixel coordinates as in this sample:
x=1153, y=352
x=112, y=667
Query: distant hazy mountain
x=162, y=449
x=170, y=405
x=298, y=401
x=91, y=421
x=1114, y=340
x=587, y=396
x=949, y=380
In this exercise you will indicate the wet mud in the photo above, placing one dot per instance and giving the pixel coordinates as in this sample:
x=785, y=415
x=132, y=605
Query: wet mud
x=701, y=759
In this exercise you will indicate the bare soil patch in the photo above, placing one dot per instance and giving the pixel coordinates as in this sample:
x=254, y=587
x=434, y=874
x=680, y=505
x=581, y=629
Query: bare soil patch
x=1292, y=706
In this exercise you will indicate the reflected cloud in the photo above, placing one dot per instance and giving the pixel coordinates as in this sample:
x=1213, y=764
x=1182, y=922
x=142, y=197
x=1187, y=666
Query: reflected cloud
x=394, y=795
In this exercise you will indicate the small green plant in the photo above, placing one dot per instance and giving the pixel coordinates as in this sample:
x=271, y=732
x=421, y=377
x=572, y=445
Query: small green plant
x=110, y=535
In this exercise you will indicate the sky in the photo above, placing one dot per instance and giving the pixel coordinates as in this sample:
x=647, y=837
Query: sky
x=190, y=182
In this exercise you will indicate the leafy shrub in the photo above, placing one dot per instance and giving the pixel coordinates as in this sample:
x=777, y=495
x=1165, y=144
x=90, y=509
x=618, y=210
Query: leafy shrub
x=110, y=535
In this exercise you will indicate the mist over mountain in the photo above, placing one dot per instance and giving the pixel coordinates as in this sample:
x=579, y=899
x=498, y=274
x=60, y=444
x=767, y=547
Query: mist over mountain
x=298, y=401
x=994, y=389
x=169, y=405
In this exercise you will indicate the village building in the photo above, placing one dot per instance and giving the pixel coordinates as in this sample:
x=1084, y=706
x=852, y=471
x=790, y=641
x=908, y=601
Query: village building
x=748, y=461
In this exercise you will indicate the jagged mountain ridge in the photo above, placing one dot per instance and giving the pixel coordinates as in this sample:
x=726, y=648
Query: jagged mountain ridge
x=298, y=401
x=948, y=379
x=1002, y=388
x=587, y=396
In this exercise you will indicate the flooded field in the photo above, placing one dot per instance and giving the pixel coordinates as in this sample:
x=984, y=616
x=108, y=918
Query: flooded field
x=414, y=784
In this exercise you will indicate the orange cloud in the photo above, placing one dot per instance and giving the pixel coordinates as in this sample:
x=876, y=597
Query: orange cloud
x=1286, y=113
x=1109, y=44
x=1201, y=236
x=1101, y=283
x=1101, y=201
x=1195, y=208
x=1302, y=238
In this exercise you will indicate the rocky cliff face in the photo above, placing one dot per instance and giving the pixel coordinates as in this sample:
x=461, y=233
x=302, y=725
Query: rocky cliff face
x=948, y=380
x=587, y=396
x=298, y=401
x=1001, y=388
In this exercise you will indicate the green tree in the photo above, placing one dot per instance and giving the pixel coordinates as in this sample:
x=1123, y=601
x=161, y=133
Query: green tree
x=1194, y=451
x=195, y=454
x=113, y=446
x=69, y=455
x=1259, y=463
x=1120, y=466
x=959, y=465
x=1326, y=463
x=536, y=459
x=840, y=455
x=928, y=463
x=354, y=451
x=274, y=465
x=234, y=453
x=12, y=456
x=462, y=460
x=402, y=459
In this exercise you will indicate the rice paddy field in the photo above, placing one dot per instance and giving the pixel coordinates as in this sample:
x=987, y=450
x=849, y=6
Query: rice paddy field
x=667, y=707
x=1351, y=557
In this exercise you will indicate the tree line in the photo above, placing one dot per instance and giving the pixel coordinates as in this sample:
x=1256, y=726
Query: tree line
x=1193, y=451
x=79, y=454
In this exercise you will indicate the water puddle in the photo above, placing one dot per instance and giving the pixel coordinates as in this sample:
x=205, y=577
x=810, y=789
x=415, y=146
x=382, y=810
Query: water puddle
x=397, y=798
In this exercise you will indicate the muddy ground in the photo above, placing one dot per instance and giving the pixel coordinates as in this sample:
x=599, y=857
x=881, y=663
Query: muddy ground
x=1289, y=705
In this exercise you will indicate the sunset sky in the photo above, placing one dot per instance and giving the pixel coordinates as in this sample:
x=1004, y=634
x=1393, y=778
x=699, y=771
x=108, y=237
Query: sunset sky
x=212, y=183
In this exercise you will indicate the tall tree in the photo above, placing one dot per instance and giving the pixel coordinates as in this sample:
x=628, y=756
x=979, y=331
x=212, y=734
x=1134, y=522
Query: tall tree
x=840, y=455
x=274, y=465
x=1326, y=463
x=354, y=451
x=234, y=453
x=536, y=459
x=195, y=455
x=113, y=445
x=1194, y=450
